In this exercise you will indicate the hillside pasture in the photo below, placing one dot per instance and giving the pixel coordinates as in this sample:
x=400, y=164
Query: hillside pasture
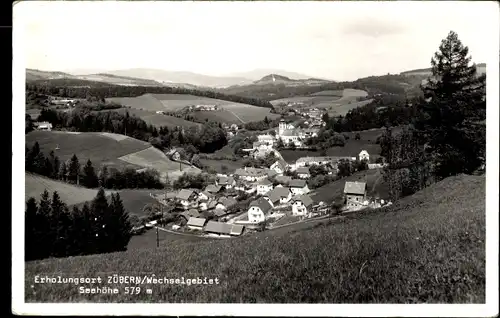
x=156, y=159
x=100, y=148
x=375, y=186
x=145, y=102
x=70, y=194
x=425, y=248
x=218, y=116
x=157, y=120
x=248, y=113
x=147, y=240
x=218, y=164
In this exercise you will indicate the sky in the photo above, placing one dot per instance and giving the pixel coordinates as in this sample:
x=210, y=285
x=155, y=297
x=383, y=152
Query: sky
x=331, y=40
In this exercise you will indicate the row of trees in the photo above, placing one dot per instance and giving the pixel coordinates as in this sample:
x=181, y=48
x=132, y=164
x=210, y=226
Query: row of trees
x=71, y=171
x=51, y=230
x=264, y=124
x=446, y=137
x=209, y=138
x=78, y=89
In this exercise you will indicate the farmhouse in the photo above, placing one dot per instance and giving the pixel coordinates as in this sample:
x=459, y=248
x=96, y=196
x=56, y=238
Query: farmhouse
x=226, y=182
x=251, y=174
x=264, y=186
x=279, y=195
x=302, y=205
x=258, y=209
x=283, y=179
x=205, y=196
x=355, y=193
x=298, y=187
x=363, y=155
x=43, y=125
x=225, y=203
x=186, y=198
x=196, y=223
x=223, y=229
x=303, y=173
x=267, y=139
x=212, y=188
x=279, y=166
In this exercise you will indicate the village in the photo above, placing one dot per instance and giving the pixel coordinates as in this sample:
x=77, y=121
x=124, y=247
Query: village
x=253, y=199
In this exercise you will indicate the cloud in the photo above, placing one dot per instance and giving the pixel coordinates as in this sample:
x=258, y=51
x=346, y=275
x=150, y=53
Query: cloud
x=374, y=28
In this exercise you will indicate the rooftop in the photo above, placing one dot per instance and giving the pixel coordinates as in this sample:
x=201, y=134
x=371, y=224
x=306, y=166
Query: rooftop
x=297, y=183
x=196, y=221
x=262, y=204
x=305, y=199
x=355, y=187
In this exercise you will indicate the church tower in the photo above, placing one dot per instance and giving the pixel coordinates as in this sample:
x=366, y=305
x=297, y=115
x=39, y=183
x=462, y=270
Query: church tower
x=282, y=127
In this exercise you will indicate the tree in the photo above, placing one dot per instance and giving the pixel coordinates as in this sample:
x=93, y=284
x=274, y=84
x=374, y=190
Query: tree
x=43, y=223
x=103, y=176
x=357, y=136
x=73, y=166
x=31, y=232
x=28, y=124
x=118, y=224
x=63, y=171
x=60, y=223
x=344, y=168
x=99, y=209
x=89, y=179
x=455, y=101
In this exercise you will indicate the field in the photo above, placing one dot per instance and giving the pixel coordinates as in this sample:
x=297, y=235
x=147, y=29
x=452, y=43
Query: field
x=155, y=159
x=217, y=165
x=147, y=240
x=70, y=194
x=157, y=120
x=113, y=150
x=426, y=248
x=218, y=116
x=234, y=112
x=375, y=186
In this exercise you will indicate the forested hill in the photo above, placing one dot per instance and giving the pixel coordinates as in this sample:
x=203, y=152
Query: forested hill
x=75, y=88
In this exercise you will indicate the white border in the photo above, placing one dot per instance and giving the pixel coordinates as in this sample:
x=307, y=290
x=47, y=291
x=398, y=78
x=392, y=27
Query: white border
x=488, y=309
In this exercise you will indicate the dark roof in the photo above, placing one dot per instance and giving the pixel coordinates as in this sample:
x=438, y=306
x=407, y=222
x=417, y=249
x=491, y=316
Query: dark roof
x=212, y=188
x=196, y=221
x=305, y=199
x=184, y=194
x=225, y=180
x=227, y=202
x=265, y=182
x=277, y=193
x=218, y=227
x=220, y=212
x=262, y=204
x=303, y=170
x=297, y=183
x=193, y=212
x=355, y=187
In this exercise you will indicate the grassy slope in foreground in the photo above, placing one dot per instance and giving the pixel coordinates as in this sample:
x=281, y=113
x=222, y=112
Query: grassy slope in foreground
x=428, y=247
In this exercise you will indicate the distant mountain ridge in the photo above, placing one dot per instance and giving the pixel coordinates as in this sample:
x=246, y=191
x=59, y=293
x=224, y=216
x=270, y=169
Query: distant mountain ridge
x=481, y=68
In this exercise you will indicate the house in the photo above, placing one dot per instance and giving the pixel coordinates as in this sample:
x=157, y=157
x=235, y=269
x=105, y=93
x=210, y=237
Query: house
x=225, y=203
x=298, y=186
x=160, y=112
x=308, y=132
x=173, y=154
x=226, y=182
x=309, y=161
x=43, y=125
x=303, y=173
x=302, y=205
x=363, y=155
x=205, y=196
x=245, y=187
x=279, y=166
x=207, y=205
x=290, y=137
x=283, y=179
x=262, y=146
x=258, y=209
x=223, y=229
x=251, y=174
x=271, y=173
x=213, y=189
x=264, y=186
x=234, y=127
x=196, y=223
x=267, y=139
x=186, y=198
x=279, y=195
x=355, y=193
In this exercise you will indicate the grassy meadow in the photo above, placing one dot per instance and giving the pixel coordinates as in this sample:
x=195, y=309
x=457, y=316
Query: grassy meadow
x=426, y=248
x=157, y=120
x=69, y=193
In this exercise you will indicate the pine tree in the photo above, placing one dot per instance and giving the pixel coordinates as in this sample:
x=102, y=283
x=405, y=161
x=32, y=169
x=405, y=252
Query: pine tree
x=63, y=171
x=31, y=230
x=54, y=162
x=118, y=225
x=103, y=176
x=47, y=236
x=30, y=157
x=100, y=210
x=90, y=179
x=455, y=101
x=73, y=166
x=60, y=223
x=88, y=230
